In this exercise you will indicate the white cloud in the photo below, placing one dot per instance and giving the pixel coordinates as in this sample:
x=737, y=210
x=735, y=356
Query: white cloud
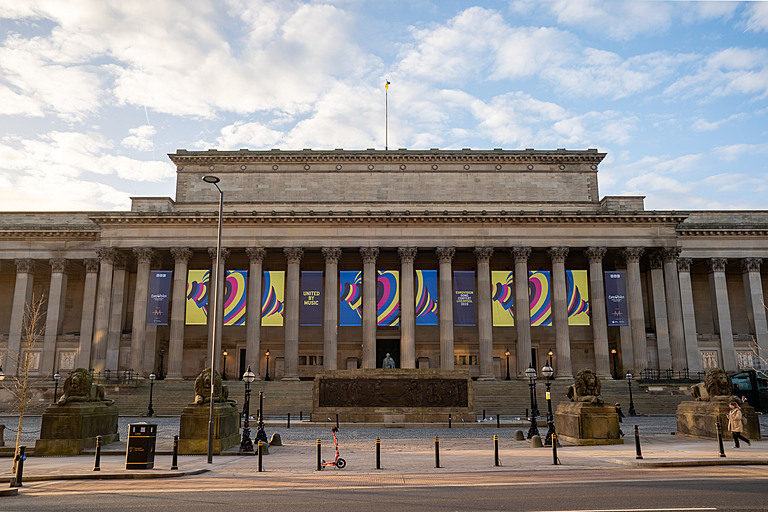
x=140, y=138
x=702, y=125
x=735, y=151
x=757, y=20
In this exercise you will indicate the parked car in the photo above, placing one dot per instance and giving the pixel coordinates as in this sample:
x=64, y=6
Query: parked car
x=753, y=385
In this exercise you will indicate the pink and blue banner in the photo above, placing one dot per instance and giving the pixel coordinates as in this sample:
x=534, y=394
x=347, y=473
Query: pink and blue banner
x=236, y=285
x=578, y=297
x=388, y=298
x=503, y=298
x=311, y=305
x=350, y=298
x=159, y=291
x=540, y=298
x=426, y=297
x=464, y=298
x=272, y=307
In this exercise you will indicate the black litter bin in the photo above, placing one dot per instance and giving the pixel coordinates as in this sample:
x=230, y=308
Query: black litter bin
x=141, y=446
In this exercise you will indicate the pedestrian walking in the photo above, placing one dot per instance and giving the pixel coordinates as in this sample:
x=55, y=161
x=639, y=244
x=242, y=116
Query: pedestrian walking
x=621, y=415
x=736, y=423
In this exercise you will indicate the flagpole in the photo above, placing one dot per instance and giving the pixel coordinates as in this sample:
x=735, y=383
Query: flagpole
x=386, y=116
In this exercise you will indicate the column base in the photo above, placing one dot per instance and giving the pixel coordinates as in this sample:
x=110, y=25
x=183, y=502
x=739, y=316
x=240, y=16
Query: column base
x=290, y=378
x=487, y=378
x=174, y=377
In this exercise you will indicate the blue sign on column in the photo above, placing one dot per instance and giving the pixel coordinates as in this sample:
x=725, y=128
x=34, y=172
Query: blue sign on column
x=616, y=297
x=159, y=293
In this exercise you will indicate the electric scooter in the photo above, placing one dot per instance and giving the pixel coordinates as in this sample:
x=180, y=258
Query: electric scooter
x=338, y=461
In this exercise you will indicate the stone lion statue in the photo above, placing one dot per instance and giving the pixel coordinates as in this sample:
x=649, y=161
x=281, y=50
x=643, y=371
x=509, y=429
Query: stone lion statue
x=717, y=387
x=585, y=388
x=79, y=387
x=203, y=388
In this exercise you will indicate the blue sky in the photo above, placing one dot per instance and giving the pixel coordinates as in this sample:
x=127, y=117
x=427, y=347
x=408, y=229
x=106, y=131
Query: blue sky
x=95, y=93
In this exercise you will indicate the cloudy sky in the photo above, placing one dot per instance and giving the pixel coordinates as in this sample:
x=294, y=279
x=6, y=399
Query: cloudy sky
x=95, y=93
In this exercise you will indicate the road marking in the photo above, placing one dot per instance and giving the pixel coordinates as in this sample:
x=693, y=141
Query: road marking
x=632, y=509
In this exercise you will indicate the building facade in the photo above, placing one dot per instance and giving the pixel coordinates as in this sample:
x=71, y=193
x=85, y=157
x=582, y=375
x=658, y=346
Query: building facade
x=695, y=283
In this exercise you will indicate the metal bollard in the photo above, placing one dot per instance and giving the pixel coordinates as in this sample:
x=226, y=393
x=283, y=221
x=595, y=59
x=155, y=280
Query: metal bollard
x=555, y=461
x=719, y=429
x=437, y=452
x=97, y=460
x=483, y=414
x=289, y=421
x=301, y=415
x=498, y=421
x=449, y=421
x=496, y=451
x=337, y=421
x=20, y=457
x=319, y=457
x=175, y=460
x=378, y=453
x=261, y=446
x=637, y=444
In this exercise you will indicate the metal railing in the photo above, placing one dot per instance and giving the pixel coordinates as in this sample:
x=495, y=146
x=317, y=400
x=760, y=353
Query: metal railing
x=651, y=374
x=108, y=375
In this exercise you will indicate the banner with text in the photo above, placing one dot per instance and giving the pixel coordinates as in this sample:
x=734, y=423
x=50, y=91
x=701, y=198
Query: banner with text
x=388, y=298
x=464, y=297
x=577, y=283
x=426, y=297
x=540, y=298
x=350, y=298
x=616, y=297
x=311, y=307
x=159, y=291
x=273, y=297
x=502, y=298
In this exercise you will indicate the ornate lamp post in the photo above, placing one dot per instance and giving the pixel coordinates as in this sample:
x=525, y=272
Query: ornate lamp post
x=56, y=377
x=224, y=372
x=246, y=445
x=548, y=372
x=150, y=410
x=550, y=354
x=530, y=372
x=614, y=355
x=266, y=377
x=631, y=402
x=507, y=354
x=260, y=434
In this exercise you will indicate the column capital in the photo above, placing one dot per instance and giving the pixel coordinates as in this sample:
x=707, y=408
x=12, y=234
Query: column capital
x=91, y=265
x=58, y=265
x=25, y=266
x=143, y=254
x=558, y=254
x=256, y=254
x=407, y=254
x=632, y=254
x=106, y=254
x=684, y=264
x=751, y=264
x=445, y=254
x=224, y=253
x=120, y=261
x=181, y=254
x=595, y=254
x=483, y=254
x=331, y=254
x=521, y=254
x=656, y=259
x=670, y=253
x=293, y=254
x=369, y=254
x=717, y=264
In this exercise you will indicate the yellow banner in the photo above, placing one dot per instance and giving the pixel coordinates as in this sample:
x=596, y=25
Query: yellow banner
x=197, y=297
x=578, y=297
x=273, y=298
x=502, y=298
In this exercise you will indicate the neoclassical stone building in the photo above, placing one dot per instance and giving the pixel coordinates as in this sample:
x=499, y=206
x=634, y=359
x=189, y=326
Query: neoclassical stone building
x=694, y=280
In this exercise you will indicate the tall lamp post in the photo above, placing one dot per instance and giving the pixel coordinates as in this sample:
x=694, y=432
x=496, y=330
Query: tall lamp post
x=224, y=371
x=150, y=410
x=507, y=354
x=614, y=355
x=548, y=372
x=530, y=372
x=266, y=377
x=246, y=445
x=631, y=402
x=214, y=180
x=56, y=377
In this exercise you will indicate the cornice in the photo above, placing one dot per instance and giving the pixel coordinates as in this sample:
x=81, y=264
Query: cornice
x=49, y=232
x=701, y=231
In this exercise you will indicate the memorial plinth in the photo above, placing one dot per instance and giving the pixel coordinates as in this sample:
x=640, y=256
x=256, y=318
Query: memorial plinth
x=72, y=428
x=698, y=418
x=393, y=396
x=587, y=424
x=193, y=428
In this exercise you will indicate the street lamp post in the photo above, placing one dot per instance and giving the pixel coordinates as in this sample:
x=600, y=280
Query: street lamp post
x=56, y=377
x=214, y=180
x=631, y=402
x=246, y=445
x=507, y=354
x=150, y=410
x=260, y=434
x=530, y=372
x=224, y=371
x=548, y=372
x=614, y=355
x=550, y=354
x=266, y=377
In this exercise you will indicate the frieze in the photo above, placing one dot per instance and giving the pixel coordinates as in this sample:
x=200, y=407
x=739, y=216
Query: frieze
x=403, y=392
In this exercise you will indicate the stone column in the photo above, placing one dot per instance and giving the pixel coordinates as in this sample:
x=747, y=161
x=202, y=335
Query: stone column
x=407, y=308
x=22, y=295
x=635, y=303
x=560, y=312
x=692, y=355
x=370, y=281
x=256, y=257
x=660, y=312
x=181, y=256
x=753, y=289
x=139, y=331
x=56, y=299
x=331, y=308
x=89, y=308
x=115, y=331
x=722, y=312
x=214, y=276
x=674, y=308
x=484, y=312
x=107, y=257
x=292, y=296
x=522, y=309
x=445, y=306
x=597, y=308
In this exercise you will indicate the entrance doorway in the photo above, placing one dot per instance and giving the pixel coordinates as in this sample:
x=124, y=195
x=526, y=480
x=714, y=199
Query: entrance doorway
x=388, y=346
x=242, y=364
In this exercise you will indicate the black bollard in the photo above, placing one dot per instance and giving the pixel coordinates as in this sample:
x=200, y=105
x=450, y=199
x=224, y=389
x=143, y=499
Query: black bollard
x=555, y=462
x=498, y=421
x=449, y=421
x=301, y=415
x=378, y=453
x=289, y=421
x=483, y=414
x=337, y=421
x=319, y=457
x=175, y=461
x=496, y=451
x=261, y=449
x=637, y=444
x=437, y=452
x=97, y=460
x=719, y=429
x=20, y=457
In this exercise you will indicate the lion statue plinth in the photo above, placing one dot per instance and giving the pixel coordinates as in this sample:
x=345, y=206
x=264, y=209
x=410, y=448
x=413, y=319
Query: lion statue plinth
x=717, y=387
x=79, y=387
x=203, y=388
x=585, y=388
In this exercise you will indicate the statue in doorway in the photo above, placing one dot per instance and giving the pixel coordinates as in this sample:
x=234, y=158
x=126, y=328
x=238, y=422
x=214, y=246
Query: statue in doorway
x=388, y=362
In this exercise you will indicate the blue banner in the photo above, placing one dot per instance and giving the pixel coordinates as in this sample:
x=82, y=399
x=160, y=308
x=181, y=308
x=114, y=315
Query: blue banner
x=426, y=297
x=616, y=297
x=311, y=305
x=159, y=292
x=464, y=298
x=350, y=298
